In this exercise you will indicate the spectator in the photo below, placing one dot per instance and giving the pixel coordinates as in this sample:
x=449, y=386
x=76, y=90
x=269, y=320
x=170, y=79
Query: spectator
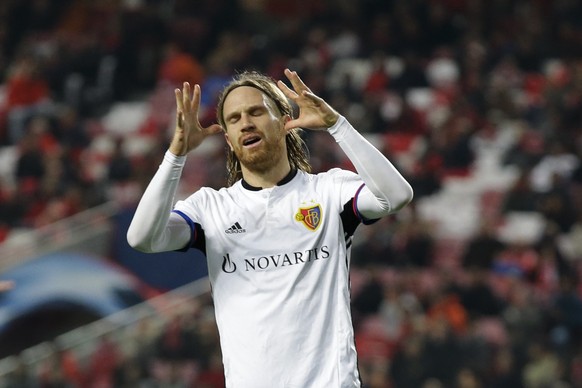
x=179, y=66
x=520, y=197
x=542, y=367
x=442, y=349
x=477, y=296
x=529, y=93
x=27, y=94
x=482, y=249
x=567, y=311
x=408, y=368
x=558, y=162
x=505, y=373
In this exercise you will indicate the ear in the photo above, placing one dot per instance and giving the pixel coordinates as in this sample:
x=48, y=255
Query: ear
x=286, y=118
x=228, y=140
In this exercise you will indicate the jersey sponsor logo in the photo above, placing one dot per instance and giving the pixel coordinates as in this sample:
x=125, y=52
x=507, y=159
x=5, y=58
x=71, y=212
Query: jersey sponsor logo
x=310, y=217
x=277, y=260
x=227, y=265
x=235, y=228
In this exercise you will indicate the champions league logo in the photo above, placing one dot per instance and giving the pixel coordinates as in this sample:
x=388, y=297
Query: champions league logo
x=310, y=217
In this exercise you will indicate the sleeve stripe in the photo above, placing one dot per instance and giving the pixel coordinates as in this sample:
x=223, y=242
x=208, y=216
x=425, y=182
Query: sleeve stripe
x=192, y=229
x=363, y=219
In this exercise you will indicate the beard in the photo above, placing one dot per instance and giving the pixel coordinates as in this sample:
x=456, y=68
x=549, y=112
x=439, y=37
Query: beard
x=263, y=158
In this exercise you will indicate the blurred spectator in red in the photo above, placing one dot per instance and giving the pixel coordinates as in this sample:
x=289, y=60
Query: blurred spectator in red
x=61, y=370
x=25, y=85
x=103, y=363
x=27, y=93
x=378, y=80
x=179, y=66
x=212, y=374
x=447, y=305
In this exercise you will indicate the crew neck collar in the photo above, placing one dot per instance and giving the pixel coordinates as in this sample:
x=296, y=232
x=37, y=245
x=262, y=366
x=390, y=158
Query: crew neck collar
x=283, y=181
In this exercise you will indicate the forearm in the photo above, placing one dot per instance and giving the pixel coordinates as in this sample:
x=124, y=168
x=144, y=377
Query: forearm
x=154, y=228
x=383, y=180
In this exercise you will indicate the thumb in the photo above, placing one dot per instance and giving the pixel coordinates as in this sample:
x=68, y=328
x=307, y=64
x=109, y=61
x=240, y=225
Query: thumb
x=213, y=129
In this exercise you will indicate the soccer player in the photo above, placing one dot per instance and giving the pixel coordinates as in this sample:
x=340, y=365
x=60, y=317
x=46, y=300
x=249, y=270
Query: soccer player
x=277, y=239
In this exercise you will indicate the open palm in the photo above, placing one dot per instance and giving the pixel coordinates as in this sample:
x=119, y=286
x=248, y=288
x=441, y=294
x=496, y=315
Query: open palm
x=314, y=112
x=189, y=133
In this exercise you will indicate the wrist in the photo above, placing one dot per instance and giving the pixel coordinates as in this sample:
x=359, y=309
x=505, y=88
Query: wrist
x=331, y=119
x=172, y=158
x=337, y=126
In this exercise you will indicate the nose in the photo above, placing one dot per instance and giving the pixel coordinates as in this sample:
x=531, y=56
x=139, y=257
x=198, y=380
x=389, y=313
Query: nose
x=247, y=123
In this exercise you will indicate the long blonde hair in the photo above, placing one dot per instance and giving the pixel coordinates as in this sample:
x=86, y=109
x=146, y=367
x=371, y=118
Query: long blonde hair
x=297, y=151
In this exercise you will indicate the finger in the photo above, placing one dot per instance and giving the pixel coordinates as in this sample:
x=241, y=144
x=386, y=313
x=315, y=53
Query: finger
x=180, y=120
x=213, y=129
x=186, y=95
x=179, y=103
x=296, y=81
x=195, y=104
x=316, y=99
x=288, y=92
x=290, y=124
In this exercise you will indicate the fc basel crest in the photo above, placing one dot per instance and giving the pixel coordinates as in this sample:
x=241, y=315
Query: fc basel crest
x=309, y=216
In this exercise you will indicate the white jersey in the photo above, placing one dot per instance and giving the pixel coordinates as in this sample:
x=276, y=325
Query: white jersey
x=278, y=262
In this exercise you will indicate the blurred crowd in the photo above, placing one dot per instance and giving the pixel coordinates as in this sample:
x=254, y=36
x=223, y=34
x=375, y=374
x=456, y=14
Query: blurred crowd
x=432, y=82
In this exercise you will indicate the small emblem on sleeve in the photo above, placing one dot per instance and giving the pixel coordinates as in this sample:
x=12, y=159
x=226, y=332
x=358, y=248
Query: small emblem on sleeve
x=309, y=216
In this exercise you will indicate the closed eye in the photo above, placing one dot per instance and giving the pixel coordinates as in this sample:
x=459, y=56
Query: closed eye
x=254, y=111
x=233, y=118
x=257, y=111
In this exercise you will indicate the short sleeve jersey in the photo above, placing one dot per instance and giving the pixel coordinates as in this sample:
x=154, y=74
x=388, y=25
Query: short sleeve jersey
x=278, y=262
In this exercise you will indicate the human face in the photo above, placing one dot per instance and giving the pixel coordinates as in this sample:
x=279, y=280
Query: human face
x=255, y=129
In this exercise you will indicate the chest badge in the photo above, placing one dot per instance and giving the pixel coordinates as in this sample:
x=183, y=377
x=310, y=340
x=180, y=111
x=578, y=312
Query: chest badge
x=309, y=216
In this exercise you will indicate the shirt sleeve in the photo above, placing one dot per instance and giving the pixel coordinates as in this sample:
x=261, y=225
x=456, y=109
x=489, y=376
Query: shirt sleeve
x=386, y=190
x=154, y=227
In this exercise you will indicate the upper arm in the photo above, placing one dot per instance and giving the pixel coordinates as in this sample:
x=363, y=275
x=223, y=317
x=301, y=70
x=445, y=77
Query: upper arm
x=370, y=206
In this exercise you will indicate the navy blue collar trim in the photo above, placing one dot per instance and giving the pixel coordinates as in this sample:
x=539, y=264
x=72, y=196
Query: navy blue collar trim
x=283, y=181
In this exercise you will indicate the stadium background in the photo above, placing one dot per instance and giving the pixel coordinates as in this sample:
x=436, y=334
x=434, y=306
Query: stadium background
x=479, y=103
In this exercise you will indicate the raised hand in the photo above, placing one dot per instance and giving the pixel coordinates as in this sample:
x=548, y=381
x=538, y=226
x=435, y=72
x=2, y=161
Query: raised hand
x=189, y=133
x=314, y=112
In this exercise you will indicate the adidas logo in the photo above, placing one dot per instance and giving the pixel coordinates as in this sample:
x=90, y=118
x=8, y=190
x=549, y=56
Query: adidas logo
x=235, y=228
